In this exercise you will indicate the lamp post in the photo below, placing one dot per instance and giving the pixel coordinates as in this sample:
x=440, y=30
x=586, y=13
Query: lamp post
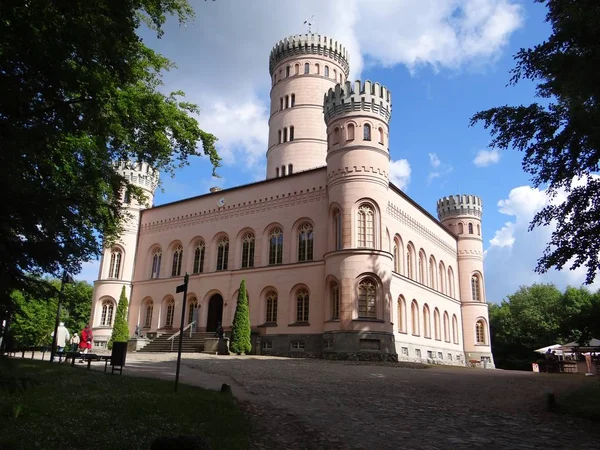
x=66, y=278
x=181, y=288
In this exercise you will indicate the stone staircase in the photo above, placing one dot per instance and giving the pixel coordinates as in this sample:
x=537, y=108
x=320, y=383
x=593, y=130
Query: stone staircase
x=193, y=344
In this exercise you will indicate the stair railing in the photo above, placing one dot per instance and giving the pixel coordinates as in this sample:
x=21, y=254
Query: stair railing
x=172, y=338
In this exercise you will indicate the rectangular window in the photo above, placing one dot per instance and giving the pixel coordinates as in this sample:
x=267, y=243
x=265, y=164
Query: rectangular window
x=440, y=355
x=328, y=343
x=430, y=354
x=404, y=351
x=418, y=352
x=450, y=356
x=267, y=345
x=297, y=345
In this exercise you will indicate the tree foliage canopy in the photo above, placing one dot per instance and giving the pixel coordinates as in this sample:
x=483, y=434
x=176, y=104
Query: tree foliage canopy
x=240, y=334
x=560, y=136
x=80, y=91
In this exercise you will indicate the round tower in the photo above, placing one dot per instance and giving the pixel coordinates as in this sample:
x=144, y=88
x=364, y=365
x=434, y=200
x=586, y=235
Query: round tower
x=117, y=261
x=358, y=265
x=461, y=214
x=302, y=68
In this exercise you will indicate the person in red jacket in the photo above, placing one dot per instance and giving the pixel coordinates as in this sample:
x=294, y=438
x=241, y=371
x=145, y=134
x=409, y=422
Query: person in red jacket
x=86, y=339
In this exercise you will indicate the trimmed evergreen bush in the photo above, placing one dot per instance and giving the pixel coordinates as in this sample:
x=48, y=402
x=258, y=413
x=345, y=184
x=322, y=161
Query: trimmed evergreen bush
x=120, y=331
x=240, y=335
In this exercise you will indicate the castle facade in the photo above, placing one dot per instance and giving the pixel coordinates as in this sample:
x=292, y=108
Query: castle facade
x=338, y=262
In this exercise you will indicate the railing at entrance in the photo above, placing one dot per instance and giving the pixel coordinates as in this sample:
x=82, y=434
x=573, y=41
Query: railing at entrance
x=172, y=338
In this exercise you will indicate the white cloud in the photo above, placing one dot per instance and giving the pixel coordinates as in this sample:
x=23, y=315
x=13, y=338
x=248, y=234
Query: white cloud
x=400, y=173
x=439, y=168
x=485, y=158
x=434, y=160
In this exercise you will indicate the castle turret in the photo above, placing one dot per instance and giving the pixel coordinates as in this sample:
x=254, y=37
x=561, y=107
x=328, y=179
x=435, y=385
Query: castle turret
x=357, y=264
x=117, y=262
x=461, y=214
x=302, y=68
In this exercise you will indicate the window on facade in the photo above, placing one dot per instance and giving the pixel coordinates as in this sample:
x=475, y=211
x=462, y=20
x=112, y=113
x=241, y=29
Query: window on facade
x=317, y=69
x=454, y=329
x=156, y=258
x=290, y=168
x=480, y=332
x=287, y=71
x=248, y=242
x=127, y=197
x=460, y=228
x=476, y=288
x=177, y=261
x=336, y=135
x=192, y=305
x=277, y=172
x=306, y=68
x=350, y=132
x=446, y=327
x=283, y=171
x=305, y=242
x=279, y=136
x=436, y=325
x=335, y=74
x=442, y=282
x=337, y=215
x=367, y=132
x=281, y=104
x=470, y=228
x=335, y=301
x=450, y=282
x=431, y=273
x=222, y=253
x=414, y=316
x=326, y=72
x=395, y=256
x=271, y=299
x=148, y=316
x=114, y=268
x=422, y=279
x=276, y=246
x=287, y=102
x=409, y=263
x=366, y=219
x=291, y=133
x=401, y=314
x=341, y=79
x=302, y=301
x=297, y=69
x=367, y=299
x=199, y=257
x=108, y=308
x=285, y=136
x=381, y=136
x=478, y=230
x=293, y=102
x=170, y=312
x=426, y=322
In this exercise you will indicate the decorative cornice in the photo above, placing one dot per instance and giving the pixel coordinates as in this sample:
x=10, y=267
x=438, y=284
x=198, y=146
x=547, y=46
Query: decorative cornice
x=459, y=205
x=350, y=97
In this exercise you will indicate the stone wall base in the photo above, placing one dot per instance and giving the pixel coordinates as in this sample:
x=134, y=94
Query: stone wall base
x=361, y=356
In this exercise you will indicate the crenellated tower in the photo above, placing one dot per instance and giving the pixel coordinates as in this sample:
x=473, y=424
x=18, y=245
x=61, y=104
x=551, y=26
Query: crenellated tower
x=357, y=117
x=117, y=261
x=461, y=214
x=303, y=68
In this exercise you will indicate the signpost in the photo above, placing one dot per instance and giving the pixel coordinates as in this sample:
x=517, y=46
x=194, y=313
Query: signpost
x=181, y=288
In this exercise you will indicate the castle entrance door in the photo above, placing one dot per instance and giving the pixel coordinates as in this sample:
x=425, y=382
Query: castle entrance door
x=215, y=312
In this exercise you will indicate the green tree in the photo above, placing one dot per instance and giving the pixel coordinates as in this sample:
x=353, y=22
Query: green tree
x=240, y=335
x=559, y=136
x=120, y=331
x=79, y=91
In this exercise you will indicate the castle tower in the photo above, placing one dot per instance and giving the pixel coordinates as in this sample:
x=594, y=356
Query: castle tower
x=117, y=262
x=461, y=214
x=302, y=68
x=358, y=268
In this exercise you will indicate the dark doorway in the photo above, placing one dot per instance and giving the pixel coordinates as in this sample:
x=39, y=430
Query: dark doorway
x=215, y=312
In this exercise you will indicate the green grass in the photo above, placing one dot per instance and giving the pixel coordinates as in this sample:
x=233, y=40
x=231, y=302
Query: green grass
x=72, y=408
x=583, y=402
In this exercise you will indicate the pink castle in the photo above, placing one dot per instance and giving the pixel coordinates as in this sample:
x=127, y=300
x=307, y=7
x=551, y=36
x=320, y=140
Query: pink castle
x=338, y=262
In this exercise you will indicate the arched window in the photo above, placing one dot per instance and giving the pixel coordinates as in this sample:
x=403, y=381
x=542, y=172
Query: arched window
x=156, y=258
x=222, y=253
x=437, y=325
x=317, y=69
x=367, y=299
x=285, y=135
x=478, y=230
x=337, y=215
x=283, y=171
x=290, y=167
x=277, y=172
x=480, y=333
x=367, y=132
x=115, y=263
x=336, y=135
x=306, y=68
x=350, y=132
x=305, y=242
x=335, y=301
x=281, y=104
x=293, y=101
x=192, y=305
x=279, y=136
x=271, y=299
x=170, y=313
x=177, y=260
x=381, y=135
x=366, y=222
x=426, y=322
x=302, y=305
x=287, y=101
x=422, y=278
x=476, y=287
x=341, y=80
x=291, y=133
x=276, y=246
x=335, y=74
x=470, y=228
x=148, y=316
x=108, y=308
x=248, y=243
x=287, y=71
x=326, y=72
x=414, y=316
x=442, y=281
x=401, y=315
x=199, y=257
x=432, y=276
x=460, y=228
x=297, y=69
x=446, y=327
x=395, y=256
x=127, y=197
x=410, y=262
x=450, y=282
x=454, y=328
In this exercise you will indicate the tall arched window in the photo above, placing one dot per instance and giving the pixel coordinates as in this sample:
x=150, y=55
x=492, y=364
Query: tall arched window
x=297, y=69
x=287, y=71
x=291, y=135
x=426, y=322
x=380, y=135
x=287, y=101
x=281, y=104
x=222, y=253
x=480, y=333
x=108, y=308
x=156, y=258
x=337, y=216
x=283, y=171
x=177, y=260
x=277, y=172
x=293, y=101
x=335, y=74
x=476, y=287
x=367, y=299
x=460, y=228
x=326, y=72
x=367, y=132
x=170, y=312
x=478, y=230
x=148, y=314
x=199, y=257
x=410, y=252
x=422, y=272
x=401, y=315
x=302, y=301
x=192, y=305
x=395, y=256
x=436, y=325
x=366, y=222
x=454, y=329
x=305, y=242
x=271, y=299
x=446, y=327
x=279, y=136
x=432, y=276
x=442, y=281
x=414, y=318
x=450, y=282
x=248, y=242
x=285, y=134
x=276, y=246
x=335, y=301
x=317, y=69
x=350, y=132
x=290, y=167
x=114, y=268
x=336, y=135
x=306, y=68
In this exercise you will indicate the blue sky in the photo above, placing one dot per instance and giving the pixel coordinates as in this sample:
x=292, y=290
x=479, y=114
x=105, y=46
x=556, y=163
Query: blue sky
x=443, y=60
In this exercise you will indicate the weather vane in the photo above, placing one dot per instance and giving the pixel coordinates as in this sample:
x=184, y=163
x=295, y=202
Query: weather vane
x=309, y=22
